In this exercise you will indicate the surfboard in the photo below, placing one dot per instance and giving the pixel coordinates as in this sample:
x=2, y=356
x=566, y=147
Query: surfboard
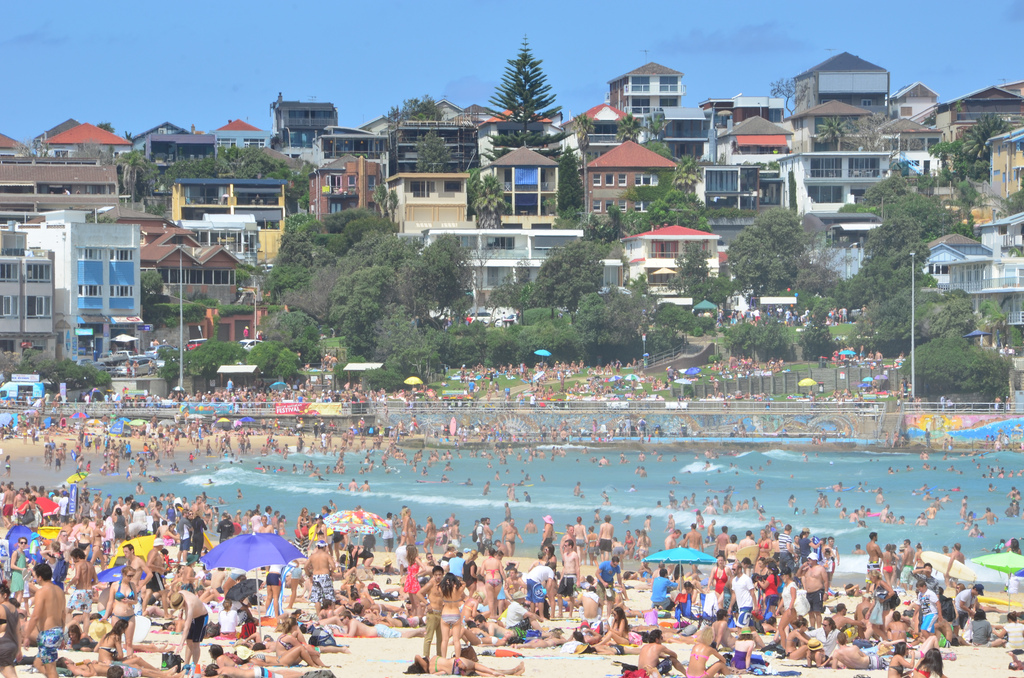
x=940, y=561
x=142, y=627
x=747, y=552
x=989, y=600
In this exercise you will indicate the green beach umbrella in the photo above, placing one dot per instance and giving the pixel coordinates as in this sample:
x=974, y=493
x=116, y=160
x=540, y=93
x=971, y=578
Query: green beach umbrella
x=1007, y=563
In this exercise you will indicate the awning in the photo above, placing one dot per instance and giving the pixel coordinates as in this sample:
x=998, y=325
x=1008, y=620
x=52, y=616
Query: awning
x=92, y=319
x=362, y=367
x=237, y=369
x=761, y=140
x=126, y=319
x=856, y=227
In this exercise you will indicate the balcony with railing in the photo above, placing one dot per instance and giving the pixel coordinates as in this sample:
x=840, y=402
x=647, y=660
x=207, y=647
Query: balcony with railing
x=602, y=139
x=668, y=89
x=645, y=110
x=827, y=173
x=1015, y=318
x=1013, y=241
x=864, y=173
x=257, y=199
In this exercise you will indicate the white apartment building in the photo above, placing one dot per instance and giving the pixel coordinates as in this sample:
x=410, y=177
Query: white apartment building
x=825, y=181
x=95, y=277
x=26, y=296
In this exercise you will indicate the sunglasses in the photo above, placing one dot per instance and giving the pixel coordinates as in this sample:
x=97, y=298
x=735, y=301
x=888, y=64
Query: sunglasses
x=22, y=541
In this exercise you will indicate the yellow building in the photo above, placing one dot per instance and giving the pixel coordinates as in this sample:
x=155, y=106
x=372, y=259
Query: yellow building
x=1007, y=161
x=430, y=200
x=192, y=199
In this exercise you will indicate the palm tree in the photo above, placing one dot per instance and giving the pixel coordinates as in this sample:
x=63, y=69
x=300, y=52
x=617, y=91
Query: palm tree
x=490, y=204
x=656, y=125
x=993, y=319
x=831, y=131
x=975, y=141
x=584, y=127
x=132, y=164
x=629, y=128
x=687, y=174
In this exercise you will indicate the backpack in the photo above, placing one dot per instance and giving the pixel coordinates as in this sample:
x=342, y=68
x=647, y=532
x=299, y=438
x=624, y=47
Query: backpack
x=947, y=608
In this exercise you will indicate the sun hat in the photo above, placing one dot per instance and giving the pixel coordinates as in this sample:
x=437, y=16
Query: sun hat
x=814, y=645
x=549, y=520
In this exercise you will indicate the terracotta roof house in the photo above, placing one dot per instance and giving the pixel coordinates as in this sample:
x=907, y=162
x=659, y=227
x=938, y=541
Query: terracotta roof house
x=653, y=254
x=754, y=137
x=54, y=131
x=238, y=133
x=648, y=89
x=8, y=146
x=208, y=270
x=611, y=175
x=86, y=139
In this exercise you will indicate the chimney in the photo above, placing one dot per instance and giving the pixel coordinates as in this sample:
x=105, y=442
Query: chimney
x=193, y=128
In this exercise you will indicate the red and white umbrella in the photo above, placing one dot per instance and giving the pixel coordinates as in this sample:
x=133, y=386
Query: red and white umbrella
x=47, y=506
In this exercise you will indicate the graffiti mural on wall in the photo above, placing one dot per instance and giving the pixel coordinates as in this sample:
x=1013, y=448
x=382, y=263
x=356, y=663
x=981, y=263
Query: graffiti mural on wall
x=533, y=423
x=965, y=429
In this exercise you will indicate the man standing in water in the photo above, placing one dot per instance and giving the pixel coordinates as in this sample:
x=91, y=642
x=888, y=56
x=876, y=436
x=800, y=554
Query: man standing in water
x=48, y=620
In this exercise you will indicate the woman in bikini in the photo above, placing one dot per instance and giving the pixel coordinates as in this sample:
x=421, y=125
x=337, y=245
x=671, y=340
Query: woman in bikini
x=458, y=666
x=110, y=652
x=699, y=655
x=493, y=581
x=899, y=663
x=930, y=666
x=452, y=595
x=122, y=607
x=619, y=632
x=291, y=648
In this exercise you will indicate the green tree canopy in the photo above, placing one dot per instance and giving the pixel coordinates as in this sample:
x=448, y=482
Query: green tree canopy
x=204, y=361
x=274, y=360
x=524, y=97
x=570, y=185
x=432, y=155
x=568, y=273
x=763, y=256
x=676, y=208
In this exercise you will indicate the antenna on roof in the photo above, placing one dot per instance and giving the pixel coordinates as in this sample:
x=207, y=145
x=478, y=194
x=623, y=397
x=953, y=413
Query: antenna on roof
x=830, y=50
x=1002, y=80
x=645, y=54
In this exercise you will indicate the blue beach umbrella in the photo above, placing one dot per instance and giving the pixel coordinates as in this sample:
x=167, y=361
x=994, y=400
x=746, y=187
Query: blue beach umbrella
x=847, y=352
x=278, y=386
x=110, y=575
x=692, y=371
x=681, y=555
x=542, y=352
x=250, y=551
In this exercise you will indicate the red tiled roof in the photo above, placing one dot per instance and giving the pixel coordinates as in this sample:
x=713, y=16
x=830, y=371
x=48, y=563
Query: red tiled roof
x=597, y=109
x=87, y=133
x=238, y=126
x=7, y=142
x=671, y=230
x=631, y=154
x=723, y=257
x=507, y=112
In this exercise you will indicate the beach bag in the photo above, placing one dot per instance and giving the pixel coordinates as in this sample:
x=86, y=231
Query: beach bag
x=319, y=673
x=651, y=617
x=170, y=660
x=802, y=606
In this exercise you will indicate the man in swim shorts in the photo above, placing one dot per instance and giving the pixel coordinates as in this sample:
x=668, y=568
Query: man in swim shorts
x=320, y=569
x=48, y=619
x=196, y=618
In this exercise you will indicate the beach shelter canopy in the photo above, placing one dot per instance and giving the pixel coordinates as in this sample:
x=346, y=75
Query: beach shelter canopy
x=704, y=306
x=123, y=338
x=977, y=333
x=362, y=367
x=681, y=556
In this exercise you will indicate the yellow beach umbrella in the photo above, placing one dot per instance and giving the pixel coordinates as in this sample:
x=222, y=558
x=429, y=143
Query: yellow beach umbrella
x=414, y=381
x=807, y=381
x=143, y=545
x=49, y=532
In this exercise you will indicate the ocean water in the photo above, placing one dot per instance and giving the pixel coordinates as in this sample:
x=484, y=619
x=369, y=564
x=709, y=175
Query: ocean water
x=550, y=482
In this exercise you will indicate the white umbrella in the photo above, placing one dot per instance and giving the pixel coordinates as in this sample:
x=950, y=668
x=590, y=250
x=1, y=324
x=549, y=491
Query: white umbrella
x=125, y=337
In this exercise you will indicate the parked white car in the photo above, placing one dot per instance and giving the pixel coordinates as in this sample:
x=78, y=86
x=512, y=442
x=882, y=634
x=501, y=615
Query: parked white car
x=247, y=344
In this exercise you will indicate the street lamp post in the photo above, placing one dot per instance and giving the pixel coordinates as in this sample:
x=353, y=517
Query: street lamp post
x=913, y=318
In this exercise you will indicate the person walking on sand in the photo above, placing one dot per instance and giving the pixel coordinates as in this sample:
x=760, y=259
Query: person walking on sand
x=194, y=630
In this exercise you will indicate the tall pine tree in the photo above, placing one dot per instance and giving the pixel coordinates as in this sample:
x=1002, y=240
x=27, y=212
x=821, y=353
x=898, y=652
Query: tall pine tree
x=524, y=98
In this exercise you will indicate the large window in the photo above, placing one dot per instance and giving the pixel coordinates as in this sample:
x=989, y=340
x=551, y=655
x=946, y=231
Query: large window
x=826, y=168
x=664, y=249
x=8, y=272
x=90, y=254
x=640, y=83
x=37, y=307
x=421, y=189
x=825, y=193
x=645, y=179
x=122, y=255
x=501, y=243
x=258, y=143
x=863, y=167
x=597, y=179
x=89, y=291
x=121, y=291
x=452, y=186
x=37, y=272
x=668, y=83
x=9, y=306
x=721, y=181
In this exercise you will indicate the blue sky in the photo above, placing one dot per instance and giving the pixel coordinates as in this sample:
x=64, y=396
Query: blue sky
x=138, y=64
